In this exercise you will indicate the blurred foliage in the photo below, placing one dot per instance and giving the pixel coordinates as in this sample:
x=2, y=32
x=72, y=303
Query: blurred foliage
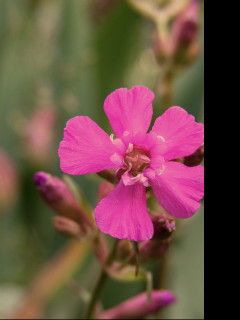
x=58, y=53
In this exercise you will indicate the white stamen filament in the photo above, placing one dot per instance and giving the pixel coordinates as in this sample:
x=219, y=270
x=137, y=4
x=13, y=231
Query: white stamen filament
x=130, y=148
x=112, y=137
x=161, y=137
x=160, y=171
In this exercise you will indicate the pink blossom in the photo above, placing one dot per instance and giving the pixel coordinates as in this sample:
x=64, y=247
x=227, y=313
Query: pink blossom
x=140, y=159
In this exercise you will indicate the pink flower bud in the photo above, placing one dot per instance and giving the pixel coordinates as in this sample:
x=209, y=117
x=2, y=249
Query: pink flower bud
x=185, y=26
x=152, y=249
x=8, y=180
x=139, y=307
x=163, y=226
x=195, y=158
x=56, y=194
x=68, y=227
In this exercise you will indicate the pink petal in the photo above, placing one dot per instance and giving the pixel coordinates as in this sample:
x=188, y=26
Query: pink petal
x=129, y=110
x=85, y=148
x=179, y=188
x=123, y=213
x=179, y=132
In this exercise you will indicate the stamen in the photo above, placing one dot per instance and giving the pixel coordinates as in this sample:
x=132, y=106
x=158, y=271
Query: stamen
x=161, y=137
x=111, y=137
x=160, y=171
x=135, y=161
x=144, y=158
x=144, y=180
x=130, y=148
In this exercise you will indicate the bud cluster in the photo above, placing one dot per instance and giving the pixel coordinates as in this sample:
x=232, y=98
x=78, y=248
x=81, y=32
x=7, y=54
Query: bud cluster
x=152, y=249
x=71, y=220
x=180, y=47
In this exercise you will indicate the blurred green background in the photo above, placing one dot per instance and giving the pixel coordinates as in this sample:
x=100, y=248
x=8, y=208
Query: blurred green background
x=69, y=55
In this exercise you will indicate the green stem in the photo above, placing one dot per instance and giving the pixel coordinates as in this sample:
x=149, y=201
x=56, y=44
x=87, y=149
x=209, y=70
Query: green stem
x=162, y=272
x=100, y=284
x=97, y=290
x=137, y=257
x=167, y=84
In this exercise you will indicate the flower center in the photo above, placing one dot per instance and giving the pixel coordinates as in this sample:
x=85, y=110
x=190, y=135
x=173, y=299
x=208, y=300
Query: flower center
x=136, y=160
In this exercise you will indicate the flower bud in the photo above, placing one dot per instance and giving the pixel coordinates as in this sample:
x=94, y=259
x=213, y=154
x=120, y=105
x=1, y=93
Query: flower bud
x=185, y=26
x=104, y=189
x=56, y=194
x=163, y=226
x=180, y=47
x=68, y=227
x=154, y=248
x=195, y=158
x=139, y=307
x=8, y=180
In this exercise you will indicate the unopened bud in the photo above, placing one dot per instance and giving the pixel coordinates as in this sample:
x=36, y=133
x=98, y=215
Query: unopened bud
x=183, y=43
x=163, y=226
x=104, y=189
x=139, y=306
x=56, y=194
x=195, y=158
x=68, y=227
x=185, y=26
x=156, y=247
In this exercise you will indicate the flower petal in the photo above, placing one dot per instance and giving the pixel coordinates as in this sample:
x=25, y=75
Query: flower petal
x=129, y=110
x=85, y=147
x=123, y=213
x=179, y=188
x=179, y=132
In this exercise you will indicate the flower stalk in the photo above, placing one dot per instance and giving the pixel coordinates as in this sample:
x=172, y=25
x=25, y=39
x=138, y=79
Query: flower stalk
x=100, y=283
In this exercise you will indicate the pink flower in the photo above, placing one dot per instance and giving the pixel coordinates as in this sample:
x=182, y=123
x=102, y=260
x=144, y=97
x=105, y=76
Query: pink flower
x=141, y=159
